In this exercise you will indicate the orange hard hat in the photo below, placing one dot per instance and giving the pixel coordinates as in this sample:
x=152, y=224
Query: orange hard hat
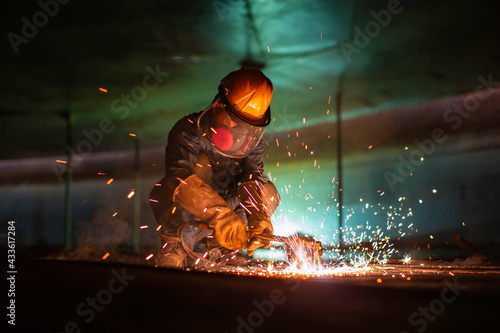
x=248, y=93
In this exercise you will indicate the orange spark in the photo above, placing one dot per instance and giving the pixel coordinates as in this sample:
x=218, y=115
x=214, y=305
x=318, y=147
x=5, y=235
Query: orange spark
x=61, y=161
x=105, y=256
x=132, y=134
x=181, y=181
x=110, y=181
x=144, y=226
x=149, y=257
x=131, y=194
x=103, y=90
x=379, y=280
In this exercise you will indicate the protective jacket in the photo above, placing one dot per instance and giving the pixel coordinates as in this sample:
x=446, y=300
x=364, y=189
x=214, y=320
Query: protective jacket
x=189, y=153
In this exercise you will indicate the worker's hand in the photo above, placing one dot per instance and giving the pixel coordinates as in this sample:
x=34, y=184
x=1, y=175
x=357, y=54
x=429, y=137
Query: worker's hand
x=230, y=232
x=256, y=242
x=256, y=227
x=258, y=224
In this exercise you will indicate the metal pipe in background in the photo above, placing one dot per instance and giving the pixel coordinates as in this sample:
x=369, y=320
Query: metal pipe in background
x=338, y=100
x=69, y=179
x=137, y=195
x=338, y=109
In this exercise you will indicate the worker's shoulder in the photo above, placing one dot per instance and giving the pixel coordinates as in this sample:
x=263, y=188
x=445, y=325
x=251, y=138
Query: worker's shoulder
x=189, y=121
x=186, y=126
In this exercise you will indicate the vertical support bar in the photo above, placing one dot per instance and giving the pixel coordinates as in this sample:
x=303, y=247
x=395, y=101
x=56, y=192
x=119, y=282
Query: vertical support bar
x=69, y=179
x=137, y=195
x=338, y=103
x=338, y=107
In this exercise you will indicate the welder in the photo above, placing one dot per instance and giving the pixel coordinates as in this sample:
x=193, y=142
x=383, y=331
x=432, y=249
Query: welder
x=214, y=174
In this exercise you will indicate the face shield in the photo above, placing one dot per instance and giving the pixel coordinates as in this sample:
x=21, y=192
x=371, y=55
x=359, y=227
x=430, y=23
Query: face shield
x=227, y=133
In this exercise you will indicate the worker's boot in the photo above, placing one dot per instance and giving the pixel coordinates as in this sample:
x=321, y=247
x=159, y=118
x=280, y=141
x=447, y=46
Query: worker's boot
x=172, y=254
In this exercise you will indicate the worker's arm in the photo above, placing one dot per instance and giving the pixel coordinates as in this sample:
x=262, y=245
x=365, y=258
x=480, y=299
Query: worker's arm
x=196, y=196
x=258, y=201
x=253, y=166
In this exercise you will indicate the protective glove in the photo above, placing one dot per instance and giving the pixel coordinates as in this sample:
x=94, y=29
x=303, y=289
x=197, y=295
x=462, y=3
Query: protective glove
x=197, y=197
x=257, y=242
x=259, y=208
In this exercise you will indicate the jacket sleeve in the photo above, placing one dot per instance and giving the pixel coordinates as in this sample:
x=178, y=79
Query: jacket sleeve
x=182, y=150
x=253, y=166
